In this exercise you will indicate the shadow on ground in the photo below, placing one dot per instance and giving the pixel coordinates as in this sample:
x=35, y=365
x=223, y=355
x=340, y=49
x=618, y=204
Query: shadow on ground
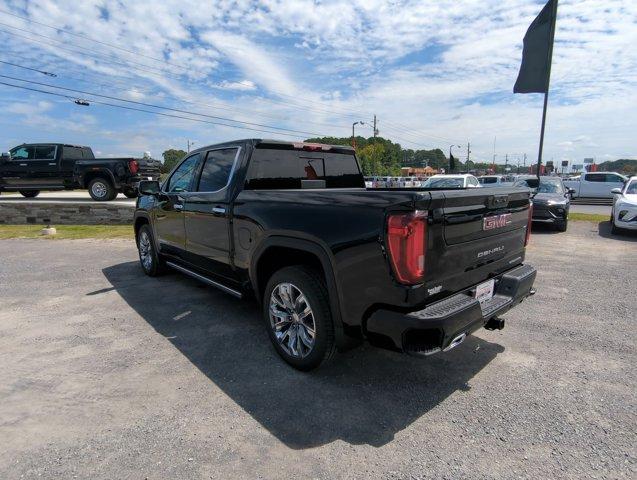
x=364, y=396
x=604, y=229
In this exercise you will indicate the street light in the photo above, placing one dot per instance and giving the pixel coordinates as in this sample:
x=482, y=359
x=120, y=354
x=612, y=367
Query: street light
x=353, y=134
x=450, y=147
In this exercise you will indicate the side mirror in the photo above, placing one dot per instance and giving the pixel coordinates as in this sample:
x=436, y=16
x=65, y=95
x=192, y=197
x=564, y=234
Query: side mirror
x=148, y=187
x=617, y=191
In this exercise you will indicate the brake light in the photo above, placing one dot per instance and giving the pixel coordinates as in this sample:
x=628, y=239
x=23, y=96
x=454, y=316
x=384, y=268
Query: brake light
x=529, y=223
x=133, y=166
x=407, y=242
x=312, y=147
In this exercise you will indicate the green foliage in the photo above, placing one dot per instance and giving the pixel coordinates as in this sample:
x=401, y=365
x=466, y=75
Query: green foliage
x=171, y=157
x=382, y=157
x=625, y=166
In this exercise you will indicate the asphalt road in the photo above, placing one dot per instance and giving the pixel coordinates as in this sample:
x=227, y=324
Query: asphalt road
x=105, y=373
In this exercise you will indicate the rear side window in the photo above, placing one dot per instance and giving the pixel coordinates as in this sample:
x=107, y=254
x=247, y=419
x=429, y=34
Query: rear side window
x=87, y=153
x=46, y=152
x=72, y=153
x=488, y=180
x=595, y=177
x=287, y=169
x=216, y=171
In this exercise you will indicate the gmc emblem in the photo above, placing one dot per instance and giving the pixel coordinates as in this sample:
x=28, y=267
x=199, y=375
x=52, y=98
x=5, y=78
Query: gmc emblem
x=496, y=221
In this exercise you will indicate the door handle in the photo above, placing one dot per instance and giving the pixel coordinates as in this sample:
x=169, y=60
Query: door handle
x=178, y=207
x=218, y=210
x=23, y=164
x=53, y=164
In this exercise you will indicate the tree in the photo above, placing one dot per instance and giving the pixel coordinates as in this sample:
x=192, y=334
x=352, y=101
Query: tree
x=171, y=157
x=371, y=157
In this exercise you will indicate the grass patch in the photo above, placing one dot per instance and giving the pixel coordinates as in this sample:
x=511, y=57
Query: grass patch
x=588, y=217
x=68, y=231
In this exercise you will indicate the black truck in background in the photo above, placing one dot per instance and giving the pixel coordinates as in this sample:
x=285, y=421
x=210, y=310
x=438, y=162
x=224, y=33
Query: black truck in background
x=31, y=168
x=331, y=262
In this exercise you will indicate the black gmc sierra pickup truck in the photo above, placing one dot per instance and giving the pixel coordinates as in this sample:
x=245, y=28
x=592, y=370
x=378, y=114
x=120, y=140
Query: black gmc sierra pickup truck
x=331, y=262
x=31, y=168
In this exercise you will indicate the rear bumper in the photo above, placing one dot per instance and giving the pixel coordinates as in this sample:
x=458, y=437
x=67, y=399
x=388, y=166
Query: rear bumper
x=433, y=329
x=134, y=181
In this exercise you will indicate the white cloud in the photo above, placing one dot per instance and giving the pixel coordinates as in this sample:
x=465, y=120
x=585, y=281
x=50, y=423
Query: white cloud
x=433, y=71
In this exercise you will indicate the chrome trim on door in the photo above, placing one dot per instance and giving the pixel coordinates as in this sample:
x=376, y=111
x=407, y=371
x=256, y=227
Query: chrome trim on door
x=218, y=210
x=207, y=280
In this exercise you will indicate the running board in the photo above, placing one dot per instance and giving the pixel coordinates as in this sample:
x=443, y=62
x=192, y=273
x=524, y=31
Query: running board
x=201, y=278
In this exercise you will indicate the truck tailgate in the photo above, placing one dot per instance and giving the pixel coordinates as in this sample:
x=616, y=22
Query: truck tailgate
x=473, y=235
x=481, y=213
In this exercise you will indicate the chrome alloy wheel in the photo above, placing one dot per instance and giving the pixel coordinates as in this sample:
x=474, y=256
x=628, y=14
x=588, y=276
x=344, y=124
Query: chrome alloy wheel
x=99, y=189
x=292, y=320
x=145, y=251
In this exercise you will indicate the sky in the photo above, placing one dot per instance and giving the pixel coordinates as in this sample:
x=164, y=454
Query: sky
x=434, y=72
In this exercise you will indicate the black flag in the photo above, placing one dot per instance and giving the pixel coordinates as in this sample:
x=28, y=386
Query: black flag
x=536, y=55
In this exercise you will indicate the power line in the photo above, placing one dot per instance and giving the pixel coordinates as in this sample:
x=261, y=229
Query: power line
x=68, y=32
x=182, y=67
x=28, y=68
x=109, y=97
x=149, y=111
x=148, y=69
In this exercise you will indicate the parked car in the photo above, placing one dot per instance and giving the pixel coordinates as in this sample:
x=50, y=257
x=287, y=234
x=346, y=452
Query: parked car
x=330, y=262
x=464, y=180
x=551, y=200
x=624, y=212
x=31, y=168
x=595, y=184
x=494, y=181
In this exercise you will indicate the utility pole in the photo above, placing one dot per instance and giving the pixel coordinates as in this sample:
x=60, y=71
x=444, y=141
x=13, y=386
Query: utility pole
x=354, y=134
x=468, y=151
x=506, y=162
x=190, y=144
x=524, y=161
x=375, y=129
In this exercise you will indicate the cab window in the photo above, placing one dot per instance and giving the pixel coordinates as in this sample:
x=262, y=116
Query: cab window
x=22, y=153
x=216, y=171
x=45, y=152
x=181, y=178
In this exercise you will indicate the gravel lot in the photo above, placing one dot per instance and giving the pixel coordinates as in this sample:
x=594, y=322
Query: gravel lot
x=105, y=373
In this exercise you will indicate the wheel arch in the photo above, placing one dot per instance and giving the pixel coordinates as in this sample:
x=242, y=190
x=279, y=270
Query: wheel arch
x=276, y=252
x=101, y=173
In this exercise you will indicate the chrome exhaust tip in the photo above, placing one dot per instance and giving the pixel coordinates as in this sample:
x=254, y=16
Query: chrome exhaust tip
x=455, y=342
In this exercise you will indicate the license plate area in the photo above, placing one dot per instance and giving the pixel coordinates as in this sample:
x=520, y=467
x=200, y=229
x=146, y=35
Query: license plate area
x=484, y=291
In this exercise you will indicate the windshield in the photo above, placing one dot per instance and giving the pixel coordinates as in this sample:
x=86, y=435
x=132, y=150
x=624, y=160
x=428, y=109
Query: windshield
x=632, y=188
x=441, y=182
x=546, y=185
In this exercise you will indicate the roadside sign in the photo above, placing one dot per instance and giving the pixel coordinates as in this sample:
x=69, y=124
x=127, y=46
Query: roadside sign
x=589, y=160
x=565, y=163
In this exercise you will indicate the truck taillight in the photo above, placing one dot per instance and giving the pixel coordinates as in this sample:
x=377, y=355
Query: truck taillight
x=133, y=166
x=529, y=224
x=407, y=242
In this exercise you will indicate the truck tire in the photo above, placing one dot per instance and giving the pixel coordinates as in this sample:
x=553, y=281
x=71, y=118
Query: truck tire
x=149, y=258
x=29, y=193
x=297, y=316
x=101, y=190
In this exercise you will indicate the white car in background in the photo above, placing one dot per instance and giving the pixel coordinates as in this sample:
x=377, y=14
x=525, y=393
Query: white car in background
x=452, y=181
x=624, y=213
x=495, y=181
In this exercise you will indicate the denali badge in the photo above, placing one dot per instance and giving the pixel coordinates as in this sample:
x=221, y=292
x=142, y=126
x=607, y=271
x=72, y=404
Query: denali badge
x=496, y=221
x=491, y=251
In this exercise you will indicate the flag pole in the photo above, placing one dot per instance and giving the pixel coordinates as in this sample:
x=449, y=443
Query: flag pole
x=548, y=83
